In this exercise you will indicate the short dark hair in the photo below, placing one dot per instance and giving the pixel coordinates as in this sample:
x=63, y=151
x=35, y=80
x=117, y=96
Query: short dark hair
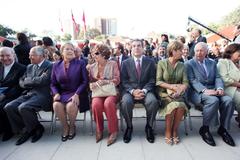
x=47, y=41
x=230, y=49
x=7, y=43
x=103, y=50
x=120, y=47
x=138, y=40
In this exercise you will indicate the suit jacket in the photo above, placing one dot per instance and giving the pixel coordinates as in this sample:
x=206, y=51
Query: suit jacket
x=229, y=73
x=12, y=80
x=36, y=82
x=129, y=78
x=75, y=80
x=198, y=81
x=193, y=43
x=124, y=57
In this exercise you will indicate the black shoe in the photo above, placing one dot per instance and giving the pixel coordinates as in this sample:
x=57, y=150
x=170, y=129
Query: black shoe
x=64, y=138
x=127, y=135
x=206, y=136
x=7, y=136
x=149, y=134
x=72, y=135
x=24, y=137
x=38, y=132
x=226, y=136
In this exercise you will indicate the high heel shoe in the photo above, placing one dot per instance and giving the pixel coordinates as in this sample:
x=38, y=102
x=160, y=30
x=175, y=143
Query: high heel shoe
x=168, y=140
x=99, y=136
x=112, y=139
x=176, y=140
x=65, y=136
x=72, y=135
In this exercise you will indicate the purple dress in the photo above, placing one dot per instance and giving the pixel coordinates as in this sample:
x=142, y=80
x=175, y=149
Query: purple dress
x=67, y=83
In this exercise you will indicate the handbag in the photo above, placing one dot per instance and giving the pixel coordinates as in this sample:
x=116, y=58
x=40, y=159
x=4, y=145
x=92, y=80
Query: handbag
x=104, y=90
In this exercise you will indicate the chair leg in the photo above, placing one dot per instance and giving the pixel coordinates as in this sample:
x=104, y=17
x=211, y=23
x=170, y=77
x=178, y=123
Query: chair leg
x=91, y=122
x=52, y=122
x=190, y=120
x=185, y=125
x=84, y=121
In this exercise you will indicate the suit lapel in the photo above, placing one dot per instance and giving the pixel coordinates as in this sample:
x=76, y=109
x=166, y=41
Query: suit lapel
x=11, y=72
x=1, y=72
x=143, y=67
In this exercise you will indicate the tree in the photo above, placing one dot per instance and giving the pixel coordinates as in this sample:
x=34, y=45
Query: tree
x=66, y=37
x=5, y=31
x=90, y=34
x=232, y=18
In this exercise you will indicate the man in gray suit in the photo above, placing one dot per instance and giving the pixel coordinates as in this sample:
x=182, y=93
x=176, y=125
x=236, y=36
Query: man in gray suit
x=36, y=96
x=207, y=90
x=138, y=77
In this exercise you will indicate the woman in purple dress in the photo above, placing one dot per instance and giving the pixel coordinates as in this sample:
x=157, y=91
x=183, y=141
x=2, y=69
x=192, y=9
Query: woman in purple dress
x=68, y=84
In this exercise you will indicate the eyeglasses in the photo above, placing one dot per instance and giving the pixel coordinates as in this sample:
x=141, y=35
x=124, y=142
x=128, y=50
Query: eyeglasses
x=97, y=53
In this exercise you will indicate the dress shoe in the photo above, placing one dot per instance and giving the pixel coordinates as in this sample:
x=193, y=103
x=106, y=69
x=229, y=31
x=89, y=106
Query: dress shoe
x=226, y=137
x=127, y=135
x=37, y=133
x=7, y=136
x=24, y=137
x=206, y=136
x=149, y=134
x=64, y=138
x=112, y=139
x=73, y=134
x=99, y=136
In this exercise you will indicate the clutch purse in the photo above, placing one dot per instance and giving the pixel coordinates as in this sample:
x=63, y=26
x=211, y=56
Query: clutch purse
x=104, y=90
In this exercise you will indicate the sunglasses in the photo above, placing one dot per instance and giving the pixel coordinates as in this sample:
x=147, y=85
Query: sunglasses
x=97, y=53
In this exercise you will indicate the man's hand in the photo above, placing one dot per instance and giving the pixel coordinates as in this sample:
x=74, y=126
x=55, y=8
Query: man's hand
x=210, y=92
x=220, y=92
x=138, y=94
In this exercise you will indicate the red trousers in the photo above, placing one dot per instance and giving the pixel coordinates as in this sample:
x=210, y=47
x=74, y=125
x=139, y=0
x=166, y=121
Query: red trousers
x=107, y=105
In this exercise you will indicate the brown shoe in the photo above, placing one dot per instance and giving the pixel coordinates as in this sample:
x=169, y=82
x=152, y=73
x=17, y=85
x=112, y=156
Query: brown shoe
x=112, y=138
x=99, y=136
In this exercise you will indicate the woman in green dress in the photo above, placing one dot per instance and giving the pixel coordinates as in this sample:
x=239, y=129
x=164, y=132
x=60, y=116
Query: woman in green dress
x=172, y=83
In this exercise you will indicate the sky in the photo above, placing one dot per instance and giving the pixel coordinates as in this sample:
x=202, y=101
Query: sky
x=135, y=18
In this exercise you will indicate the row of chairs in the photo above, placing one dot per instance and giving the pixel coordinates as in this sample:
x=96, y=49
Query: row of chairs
x=54, y=119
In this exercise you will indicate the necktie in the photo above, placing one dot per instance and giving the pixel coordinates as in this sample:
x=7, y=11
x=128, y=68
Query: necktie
x=35, y=69
x=138, y=68
x=203, y=69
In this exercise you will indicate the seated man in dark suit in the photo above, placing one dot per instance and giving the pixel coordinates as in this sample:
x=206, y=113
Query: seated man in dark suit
x=138, y=78
x=10, y=72
x=21, y=112
x=207, y=90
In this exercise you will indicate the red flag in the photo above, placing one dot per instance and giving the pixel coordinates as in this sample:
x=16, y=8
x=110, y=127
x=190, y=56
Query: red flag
x=84, y=21
x=75, y=24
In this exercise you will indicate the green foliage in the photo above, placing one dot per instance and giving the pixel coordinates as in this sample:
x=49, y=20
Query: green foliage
x=66, y=37
x=5, y=31
x=232, y=18
x=90, y=34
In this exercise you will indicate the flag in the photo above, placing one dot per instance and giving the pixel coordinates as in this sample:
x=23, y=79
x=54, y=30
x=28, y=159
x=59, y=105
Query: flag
x=84, y=21
x=74, y=23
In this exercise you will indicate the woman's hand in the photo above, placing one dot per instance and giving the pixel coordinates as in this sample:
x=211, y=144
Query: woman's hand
x=75, y=99
x=56, y=97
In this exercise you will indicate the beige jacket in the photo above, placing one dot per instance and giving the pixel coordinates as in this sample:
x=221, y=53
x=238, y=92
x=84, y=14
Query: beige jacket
x=229, y=73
